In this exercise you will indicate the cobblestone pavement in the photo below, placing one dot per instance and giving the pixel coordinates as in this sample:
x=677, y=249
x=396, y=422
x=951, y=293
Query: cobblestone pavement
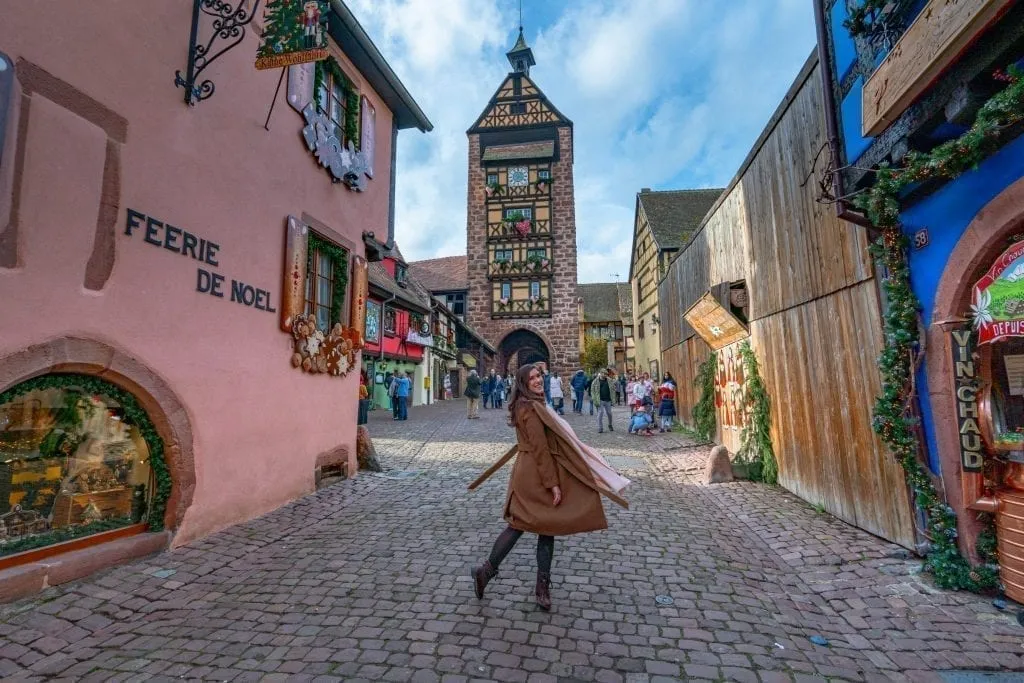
x=368, y=580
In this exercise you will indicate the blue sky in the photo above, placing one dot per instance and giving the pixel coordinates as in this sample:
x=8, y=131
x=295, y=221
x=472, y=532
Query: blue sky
x=665, y=94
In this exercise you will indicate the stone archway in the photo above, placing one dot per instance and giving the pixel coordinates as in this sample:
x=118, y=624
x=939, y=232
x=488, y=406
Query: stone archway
x=983, y=240
x=165, y=410
x=521, y=347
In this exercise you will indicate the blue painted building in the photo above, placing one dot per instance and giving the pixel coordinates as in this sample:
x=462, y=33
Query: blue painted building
x=957, y=228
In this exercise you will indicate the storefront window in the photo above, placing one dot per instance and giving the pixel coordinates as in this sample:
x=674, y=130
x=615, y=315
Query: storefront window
x=70, y=466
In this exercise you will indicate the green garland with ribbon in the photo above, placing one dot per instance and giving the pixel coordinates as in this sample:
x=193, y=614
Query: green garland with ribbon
x=755, y=436
x=893, y=421
x=339, y=260
x=331, y=66
x=705, y=418
x=134, y=415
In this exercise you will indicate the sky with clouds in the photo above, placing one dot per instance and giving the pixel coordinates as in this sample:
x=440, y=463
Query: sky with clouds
x=665, y=94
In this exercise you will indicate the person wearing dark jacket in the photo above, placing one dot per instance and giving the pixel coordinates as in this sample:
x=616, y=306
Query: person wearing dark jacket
x=579, y=386
x=472, y=394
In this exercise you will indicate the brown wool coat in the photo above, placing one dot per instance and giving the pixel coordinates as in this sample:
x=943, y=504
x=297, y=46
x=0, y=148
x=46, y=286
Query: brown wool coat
x=544, y=461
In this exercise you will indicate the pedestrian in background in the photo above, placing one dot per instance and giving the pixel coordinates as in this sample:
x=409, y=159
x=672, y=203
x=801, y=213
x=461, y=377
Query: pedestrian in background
x=447, y=387
x=579, y=387
x=392, y=388
x=498, y=392
x=557, y=395
x=589, y=394
x=601, y=395
x=620, y=389
x=555, y=488
x=403, y=390
x=486, y=387
x=667, y=402
x=547, y=385
x=472, y=394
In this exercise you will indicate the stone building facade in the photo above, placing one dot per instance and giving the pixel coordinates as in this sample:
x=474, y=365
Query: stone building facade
x=521, y=225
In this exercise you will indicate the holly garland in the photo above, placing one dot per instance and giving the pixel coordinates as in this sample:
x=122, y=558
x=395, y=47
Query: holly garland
x=755, y=436
x=704, y=417
x=330, y=65
x=892, y=419
x=339, y=260
x=133, y=415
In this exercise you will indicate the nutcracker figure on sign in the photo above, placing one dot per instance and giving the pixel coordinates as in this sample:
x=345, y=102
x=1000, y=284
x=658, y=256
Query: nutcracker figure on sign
x=310, y=23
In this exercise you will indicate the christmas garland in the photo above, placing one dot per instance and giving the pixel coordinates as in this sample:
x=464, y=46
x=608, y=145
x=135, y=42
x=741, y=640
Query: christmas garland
x=339, y=259
x=704, y=416
x=755, y=437
x=331, y=66
x=133, y=415
x=892, y=421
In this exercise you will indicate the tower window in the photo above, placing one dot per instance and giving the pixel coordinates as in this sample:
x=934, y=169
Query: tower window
x=525, y=212
x=506, y=290
x=492, y=178
x=534, y=290
x=517, y=108
x=503, y=255
x=544, y=174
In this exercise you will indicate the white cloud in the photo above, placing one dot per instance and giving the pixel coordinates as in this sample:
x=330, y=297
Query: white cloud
x=662, y=93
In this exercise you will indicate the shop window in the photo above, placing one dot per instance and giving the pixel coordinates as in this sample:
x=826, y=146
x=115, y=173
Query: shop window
x=389, y=320
x=326, y=281
x=74, y=461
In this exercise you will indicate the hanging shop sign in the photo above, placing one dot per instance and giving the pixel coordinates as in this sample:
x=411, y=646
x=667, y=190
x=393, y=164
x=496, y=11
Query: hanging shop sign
x=208, y=281
x=965, y=375
x=717, y=326
x=294, y=32
x=997, y=302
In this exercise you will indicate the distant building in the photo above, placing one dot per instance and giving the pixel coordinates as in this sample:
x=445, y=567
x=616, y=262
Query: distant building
x=663, y=223
x=606, y=312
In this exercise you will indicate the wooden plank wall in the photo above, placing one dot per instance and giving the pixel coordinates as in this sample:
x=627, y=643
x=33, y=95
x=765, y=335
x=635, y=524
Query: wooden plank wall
x=814, y=320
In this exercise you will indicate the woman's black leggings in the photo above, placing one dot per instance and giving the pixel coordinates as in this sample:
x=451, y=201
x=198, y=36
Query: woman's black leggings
x=507, y=539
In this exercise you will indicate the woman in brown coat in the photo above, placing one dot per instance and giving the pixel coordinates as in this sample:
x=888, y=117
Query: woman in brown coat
x=551, y=492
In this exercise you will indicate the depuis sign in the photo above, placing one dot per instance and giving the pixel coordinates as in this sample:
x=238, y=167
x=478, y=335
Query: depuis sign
x=295, y=31
x=997, y=303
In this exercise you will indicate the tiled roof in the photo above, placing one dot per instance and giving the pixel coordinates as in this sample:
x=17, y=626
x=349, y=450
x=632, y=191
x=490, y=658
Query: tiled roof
x=526, y=150
x=442, y=274
x=625, y=302
x=600, y=302
x=674, y=214
x=409, y=295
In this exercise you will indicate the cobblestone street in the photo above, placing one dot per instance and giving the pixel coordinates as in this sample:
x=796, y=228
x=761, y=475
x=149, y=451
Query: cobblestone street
x=368, y=579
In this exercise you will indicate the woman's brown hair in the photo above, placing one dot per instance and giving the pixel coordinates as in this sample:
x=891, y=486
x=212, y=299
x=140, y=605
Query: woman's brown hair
x=521, y=393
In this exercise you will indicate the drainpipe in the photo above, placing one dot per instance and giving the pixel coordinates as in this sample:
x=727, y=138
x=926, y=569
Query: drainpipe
x=832, y=126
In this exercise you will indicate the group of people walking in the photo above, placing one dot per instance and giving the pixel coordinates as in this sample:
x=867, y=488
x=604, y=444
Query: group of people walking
x=491, y=389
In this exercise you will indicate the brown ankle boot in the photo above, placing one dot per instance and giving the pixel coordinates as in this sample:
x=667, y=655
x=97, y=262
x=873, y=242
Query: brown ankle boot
x=543, y=591
x=482, y=575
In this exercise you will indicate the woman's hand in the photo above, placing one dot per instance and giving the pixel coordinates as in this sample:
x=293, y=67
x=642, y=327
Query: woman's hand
x=556, y=494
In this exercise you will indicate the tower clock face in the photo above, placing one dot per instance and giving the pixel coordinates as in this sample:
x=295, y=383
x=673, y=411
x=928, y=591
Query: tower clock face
x=518, y=176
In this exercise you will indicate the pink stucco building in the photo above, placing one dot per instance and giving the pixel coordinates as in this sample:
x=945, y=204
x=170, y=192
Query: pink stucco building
x=153, y=259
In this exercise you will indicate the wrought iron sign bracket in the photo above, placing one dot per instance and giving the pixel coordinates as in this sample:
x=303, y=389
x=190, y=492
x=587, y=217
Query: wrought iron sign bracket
x=229, y=22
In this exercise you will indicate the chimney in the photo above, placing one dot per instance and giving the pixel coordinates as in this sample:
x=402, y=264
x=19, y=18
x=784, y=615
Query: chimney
x=644, y=189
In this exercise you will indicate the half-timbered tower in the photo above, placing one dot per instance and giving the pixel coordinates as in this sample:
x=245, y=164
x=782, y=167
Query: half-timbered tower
x=521, y=224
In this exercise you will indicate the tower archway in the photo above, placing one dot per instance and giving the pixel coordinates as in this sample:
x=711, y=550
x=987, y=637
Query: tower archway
x=521, y=347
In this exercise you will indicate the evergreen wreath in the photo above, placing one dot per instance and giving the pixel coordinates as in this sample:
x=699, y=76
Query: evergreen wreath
x=893, y=421
x=330, y=66
x=755, y=436
x=134, y=415
x=339, y=261
x=705, y=418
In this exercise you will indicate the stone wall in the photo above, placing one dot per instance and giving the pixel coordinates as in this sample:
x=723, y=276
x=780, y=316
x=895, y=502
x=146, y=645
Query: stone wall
x=561, y=331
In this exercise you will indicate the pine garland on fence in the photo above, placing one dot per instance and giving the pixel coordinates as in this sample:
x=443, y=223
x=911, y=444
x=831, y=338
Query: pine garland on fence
x=893, y=421
x=704, y=416
x=755, y=436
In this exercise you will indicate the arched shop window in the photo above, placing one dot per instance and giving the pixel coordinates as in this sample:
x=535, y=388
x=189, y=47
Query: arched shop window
x=78, y=456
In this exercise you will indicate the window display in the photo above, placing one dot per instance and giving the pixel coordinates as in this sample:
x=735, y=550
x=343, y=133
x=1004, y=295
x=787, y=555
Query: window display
x=70, y=465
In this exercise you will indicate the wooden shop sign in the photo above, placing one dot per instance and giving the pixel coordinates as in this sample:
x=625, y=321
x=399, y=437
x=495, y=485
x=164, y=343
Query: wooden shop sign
x=294, y=32
x=717, y=326
x=965, y=374
x=178, y=241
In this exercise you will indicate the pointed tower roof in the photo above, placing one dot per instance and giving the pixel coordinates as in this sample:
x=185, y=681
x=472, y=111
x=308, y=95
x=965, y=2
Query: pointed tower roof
x=521, y=56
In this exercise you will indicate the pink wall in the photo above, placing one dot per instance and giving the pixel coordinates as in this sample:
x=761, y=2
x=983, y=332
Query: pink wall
x=213, y=170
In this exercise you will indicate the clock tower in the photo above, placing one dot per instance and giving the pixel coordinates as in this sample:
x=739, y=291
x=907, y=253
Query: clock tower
x=521, y=224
